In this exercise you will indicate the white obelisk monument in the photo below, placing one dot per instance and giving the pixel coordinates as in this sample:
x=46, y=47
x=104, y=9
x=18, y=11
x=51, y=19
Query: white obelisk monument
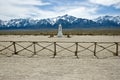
x=60, y=34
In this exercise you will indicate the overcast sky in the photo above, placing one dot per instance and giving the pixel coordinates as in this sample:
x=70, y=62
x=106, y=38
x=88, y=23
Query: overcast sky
x=39, y=9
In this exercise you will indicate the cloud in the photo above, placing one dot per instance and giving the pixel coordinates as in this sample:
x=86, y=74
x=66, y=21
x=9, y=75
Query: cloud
x=27, y=9
x=19, y=8
x=78, y=11
x=29, y=2
x=81, y=9
x=83, y=12
x=106, y=2
x=39, y=9
x=117, y=6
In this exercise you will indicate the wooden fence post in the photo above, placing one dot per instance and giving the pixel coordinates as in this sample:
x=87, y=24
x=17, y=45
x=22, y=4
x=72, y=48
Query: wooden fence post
x=14, y=48
x=116, y=54
x=76, y=50
x=34, y=48
x=95, y=48
x=54, y=50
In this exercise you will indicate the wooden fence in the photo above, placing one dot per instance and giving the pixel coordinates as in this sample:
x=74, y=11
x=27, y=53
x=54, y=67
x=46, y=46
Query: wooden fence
x=15, y=47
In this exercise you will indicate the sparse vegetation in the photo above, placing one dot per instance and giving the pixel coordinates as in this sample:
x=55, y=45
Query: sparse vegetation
x=65, y=32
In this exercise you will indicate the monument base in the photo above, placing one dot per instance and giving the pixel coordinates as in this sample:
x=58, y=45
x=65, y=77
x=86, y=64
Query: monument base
x=59, y=35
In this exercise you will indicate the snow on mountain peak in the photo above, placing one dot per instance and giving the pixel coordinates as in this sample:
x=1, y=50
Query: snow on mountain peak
x=66, y=20
x=66, y=17
x=109, y=18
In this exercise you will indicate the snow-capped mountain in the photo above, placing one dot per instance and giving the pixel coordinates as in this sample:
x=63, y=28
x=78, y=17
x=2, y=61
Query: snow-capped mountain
x=101, y=19
x=67, y=21
x=66, y=17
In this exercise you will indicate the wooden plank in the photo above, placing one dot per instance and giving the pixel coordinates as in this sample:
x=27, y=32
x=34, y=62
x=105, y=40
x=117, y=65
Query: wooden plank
x=105, y=48
x=63, y=49
x=54, y=50
x=6, y=47
x=14, y=48
x=24, y=48
x=76, y=51
x=116, y=54
x=86, y=48
x=95, y=44
x=44, y=47
x=95, y=48
x=34, y=47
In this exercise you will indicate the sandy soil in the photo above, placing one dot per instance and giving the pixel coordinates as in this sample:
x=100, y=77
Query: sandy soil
x=72, y=39
x=65, y=66
x=59, y=69
x=63, y=53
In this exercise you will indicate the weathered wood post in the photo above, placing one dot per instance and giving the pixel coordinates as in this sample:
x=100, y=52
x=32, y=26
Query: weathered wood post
x=116, y=54
x=54, y=50
x=14, y=48
x=76, y=51
x=95, y=49
x=34, y=48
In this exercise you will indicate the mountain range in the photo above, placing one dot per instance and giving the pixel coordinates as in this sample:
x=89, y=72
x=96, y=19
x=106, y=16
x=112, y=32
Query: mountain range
x=67, y=22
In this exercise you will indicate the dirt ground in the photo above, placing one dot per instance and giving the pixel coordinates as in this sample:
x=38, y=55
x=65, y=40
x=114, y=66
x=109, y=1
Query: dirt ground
x=74, y=38
x=59, y=69
x=65, y=66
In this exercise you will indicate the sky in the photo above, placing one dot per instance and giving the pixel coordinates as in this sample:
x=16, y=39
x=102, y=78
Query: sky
x=40, y=9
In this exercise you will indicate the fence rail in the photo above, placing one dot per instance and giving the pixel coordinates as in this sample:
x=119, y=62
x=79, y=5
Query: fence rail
x=15, y=47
